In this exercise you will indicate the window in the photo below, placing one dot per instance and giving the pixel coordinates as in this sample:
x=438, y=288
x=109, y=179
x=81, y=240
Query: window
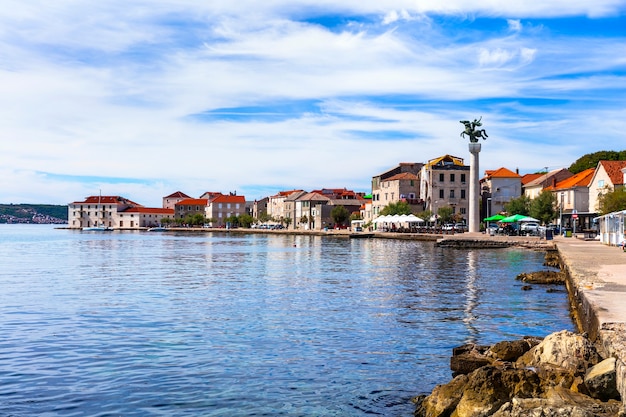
x=219, y=206
x=441, y=193
x=463, y=210
x=452, y=178
x=600, y=183
x=462, y=193
x=463, y=178
x=451, y=193
x=412, y=185
x=441, y=177
x=237, y=206
x=227, y=205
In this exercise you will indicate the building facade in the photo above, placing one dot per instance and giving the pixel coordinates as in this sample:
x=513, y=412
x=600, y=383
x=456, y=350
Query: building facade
x=397, y=184
x=498, y=187
x=445, y=183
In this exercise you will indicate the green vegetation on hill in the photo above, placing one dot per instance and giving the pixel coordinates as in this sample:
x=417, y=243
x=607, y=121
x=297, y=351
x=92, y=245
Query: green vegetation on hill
x=590, y=160
x=32, y=213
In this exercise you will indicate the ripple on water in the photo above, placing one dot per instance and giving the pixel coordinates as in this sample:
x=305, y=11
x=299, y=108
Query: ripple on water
x=234, y=325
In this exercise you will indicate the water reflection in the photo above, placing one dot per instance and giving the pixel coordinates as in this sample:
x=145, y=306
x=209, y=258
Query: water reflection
x=471, y=294
x=217, y=324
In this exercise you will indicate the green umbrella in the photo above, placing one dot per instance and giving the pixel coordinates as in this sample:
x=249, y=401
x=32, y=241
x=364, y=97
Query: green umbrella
x=494, y=218
x=513, y=218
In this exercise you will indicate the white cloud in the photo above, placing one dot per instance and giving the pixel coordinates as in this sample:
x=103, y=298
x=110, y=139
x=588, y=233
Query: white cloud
x=514, y=25
x=109, y=91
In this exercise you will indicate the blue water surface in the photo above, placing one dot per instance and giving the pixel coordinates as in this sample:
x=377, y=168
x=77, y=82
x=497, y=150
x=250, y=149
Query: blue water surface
x=225, y=324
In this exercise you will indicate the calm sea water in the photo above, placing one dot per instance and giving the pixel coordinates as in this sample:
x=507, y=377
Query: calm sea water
x=159, y=324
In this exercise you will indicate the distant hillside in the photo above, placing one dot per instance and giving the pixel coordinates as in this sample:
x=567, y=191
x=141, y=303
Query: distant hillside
x=33, y=213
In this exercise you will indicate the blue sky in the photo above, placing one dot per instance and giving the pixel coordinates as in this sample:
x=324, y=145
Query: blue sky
x=145, y=98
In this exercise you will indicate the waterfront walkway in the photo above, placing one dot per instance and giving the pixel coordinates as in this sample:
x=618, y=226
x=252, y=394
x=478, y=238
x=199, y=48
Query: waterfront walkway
x=597, y=288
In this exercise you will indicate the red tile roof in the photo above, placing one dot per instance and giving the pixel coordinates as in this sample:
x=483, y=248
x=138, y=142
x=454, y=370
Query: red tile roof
x=402, y=176
x=108, y=199
x=229, y=199
x=177, y=194
x=614, y=170
x=193, y=202
x=502, y=173
x=582, y=179
x=149, y=210
x=526, y=178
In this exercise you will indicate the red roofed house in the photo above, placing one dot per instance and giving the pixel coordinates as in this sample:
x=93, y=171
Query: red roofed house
x=114, y=212
x=498, y=187
x=223, y=206
x=608, y=175
x=401, y=183
x=276, y=204
x=141, y=217
x=171, y=200
x=190, y=207
x=572, y=196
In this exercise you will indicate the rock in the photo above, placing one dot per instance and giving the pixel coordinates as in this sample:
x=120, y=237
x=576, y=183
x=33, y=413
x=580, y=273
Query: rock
x=490, y=387
x=443, y=400
x=558, y=403
x=467, y=361
x=552, y=259
x=510, y=351
x=542, y=277
x=601, y=380
x=563, y=349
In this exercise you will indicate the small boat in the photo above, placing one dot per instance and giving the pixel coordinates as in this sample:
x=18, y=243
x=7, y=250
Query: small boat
x=359, y=235
x=157, y=229
x=101, y=228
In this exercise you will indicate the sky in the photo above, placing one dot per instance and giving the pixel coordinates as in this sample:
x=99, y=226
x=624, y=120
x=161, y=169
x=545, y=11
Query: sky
x=148, y=97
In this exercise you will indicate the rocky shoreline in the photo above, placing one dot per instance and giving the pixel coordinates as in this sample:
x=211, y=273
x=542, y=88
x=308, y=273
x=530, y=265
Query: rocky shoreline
x=564, y=374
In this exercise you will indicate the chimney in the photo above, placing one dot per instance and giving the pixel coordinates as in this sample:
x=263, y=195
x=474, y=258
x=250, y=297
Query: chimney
x=553, y=182
x=517, y=171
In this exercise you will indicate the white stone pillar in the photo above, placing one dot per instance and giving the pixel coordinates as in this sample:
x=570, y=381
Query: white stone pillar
x=474, y=195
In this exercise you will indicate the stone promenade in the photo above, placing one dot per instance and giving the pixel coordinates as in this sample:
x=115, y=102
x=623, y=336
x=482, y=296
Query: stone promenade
x=597, y=287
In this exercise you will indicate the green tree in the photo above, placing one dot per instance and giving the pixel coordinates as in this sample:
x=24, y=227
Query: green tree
x=233, y=220
x=356, y=216
x=520, y=205
x=245, y=220
x=544, y=207
x=264, y=218
x=194, y=219
x=304, y=219
x=400, y=208
x=612, y=201
x=445, y=214
x=591, y=160
x=339, y=214
x=287, y=221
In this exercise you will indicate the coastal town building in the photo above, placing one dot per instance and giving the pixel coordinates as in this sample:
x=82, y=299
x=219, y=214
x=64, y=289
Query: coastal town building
x=498, y=187
x=608, y=176
x=114, y=212
x=190, y=207
x=221, y=207
x=401, y=183
x=445, y=182
x=142, y=217
x=259, y=208
x=314, y=208
x=170, y=201
x=533, y=188
x=572, y=197
x=276, y=204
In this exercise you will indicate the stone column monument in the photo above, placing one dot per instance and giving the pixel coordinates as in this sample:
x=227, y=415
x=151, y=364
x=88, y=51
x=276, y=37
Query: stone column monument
x=474, y=194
